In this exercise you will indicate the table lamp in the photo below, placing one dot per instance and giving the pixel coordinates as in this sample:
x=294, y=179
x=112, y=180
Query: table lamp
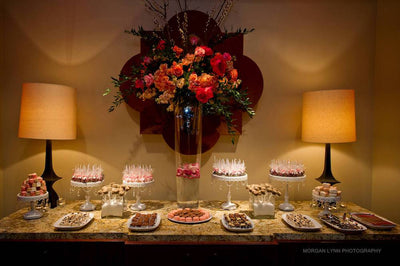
x=48, y=111
x=328, y=117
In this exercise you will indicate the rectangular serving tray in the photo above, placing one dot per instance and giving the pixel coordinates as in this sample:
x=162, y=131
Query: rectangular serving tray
x=317, y=226
x=235, y=229
x=58, y=226
x=386, y=224
x=144, y=228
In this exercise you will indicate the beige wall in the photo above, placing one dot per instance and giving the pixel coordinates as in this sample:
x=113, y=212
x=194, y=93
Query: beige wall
x=298, y=45
x=386, y=157
x=1, y=104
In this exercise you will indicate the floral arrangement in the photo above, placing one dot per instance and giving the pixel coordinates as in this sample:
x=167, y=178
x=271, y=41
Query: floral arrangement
x=189, y=170
x=193, y=73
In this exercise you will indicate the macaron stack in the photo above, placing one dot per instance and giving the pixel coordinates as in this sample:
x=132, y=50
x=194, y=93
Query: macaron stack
x=33, y=186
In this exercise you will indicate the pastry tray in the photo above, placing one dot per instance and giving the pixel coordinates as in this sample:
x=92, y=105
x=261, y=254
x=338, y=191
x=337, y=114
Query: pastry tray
x=237, y=229
x=194, y=222
x=386, y=226
x=346, y=231
x=317, y=226
x=144, y=228
x=58, y=225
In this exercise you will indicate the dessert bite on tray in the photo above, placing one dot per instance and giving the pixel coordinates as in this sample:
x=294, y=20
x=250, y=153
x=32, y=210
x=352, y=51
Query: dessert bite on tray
x=326, y=190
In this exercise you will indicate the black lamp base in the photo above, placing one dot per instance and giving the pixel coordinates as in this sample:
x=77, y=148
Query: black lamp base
x=49, y=176
x=327, y=176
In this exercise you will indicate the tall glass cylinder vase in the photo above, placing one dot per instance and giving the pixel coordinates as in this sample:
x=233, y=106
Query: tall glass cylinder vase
x=188, y=120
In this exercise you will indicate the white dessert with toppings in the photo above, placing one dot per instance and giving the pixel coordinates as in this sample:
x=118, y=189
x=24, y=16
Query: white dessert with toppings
x=88, y=174
x=137, y=174
x=229, y=168
x=287, y=168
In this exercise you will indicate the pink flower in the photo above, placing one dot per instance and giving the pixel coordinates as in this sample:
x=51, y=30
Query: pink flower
x=149, y=80
x=227, y=57
x=194, y=40
x=199, y=51
x=146, y=60
x=204, y=94
x=179, y=172
x=187, y=172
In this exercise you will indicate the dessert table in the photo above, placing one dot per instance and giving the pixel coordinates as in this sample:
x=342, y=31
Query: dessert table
x=271, y=239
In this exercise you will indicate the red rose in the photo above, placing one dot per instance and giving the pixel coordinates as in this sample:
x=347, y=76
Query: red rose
x=204, y=94
x=139, y=84
x=208, y=50
x=218, y=64
x=161, y=45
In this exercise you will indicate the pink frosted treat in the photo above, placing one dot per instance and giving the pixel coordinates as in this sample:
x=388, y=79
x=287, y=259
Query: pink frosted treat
x=33, y=186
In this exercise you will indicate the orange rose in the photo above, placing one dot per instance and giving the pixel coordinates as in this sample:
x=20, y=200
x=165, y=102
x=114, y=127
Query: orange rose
x=233, y=74
x=193, y=83
x=206, y=80
x=188, y=59
x=177, y=50
x=176, y=70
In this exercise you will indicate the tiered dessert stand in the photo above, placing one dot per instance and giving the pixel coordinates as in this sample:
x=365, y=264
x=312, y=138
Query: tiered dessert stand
x=138, y=188
x=286, y=206
x=33, y=213
x=87, y=187
x=326, y=201
x=229, y=180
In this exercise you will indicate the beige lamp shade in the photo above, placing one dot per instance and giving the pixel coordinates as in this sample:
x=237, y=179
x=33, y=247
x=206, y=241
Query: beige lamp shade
x=48, y=111
x=329, y=116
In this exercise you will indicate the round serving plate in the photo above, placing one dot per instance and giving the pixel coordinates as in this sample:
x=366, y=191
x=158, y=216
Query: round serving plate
x=138, y=184
x=230, y=178
x=197, y=222
x=288, y=178
x=85, y=185
x=327, y=199
x=33, y=213
x=33, y=198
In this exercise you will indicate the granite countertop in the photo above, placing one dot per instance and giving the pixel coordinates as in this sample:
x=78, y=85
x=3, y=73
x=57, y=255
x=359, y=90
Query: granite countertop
x=14, y=227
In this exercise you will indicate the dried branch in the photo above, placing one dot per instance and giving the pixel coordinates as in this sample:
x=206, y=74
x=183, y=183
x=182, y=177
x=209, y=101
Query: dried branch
x=225, y=9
